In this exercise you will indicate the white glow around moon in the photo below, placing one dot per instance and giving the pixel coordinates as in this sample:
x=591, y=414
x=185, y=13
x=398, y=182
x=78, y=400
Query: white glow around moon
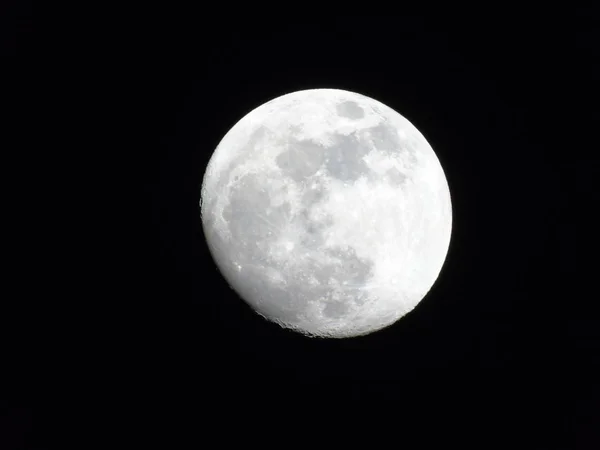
x=327, y=212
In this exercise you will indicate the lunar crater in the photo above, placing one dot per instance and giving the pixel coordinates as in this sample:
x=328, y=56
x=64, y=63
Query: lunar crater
x=344, y=159
x=300, y=160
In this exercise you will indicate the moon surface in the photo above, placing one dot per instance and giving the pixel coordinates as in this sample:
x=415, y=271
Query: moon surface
x=327, y=212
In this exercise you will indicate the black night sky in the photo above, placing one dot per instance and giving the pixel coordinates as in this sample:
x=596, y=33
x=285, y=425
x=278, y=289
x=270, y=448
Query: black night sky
x=497, y=354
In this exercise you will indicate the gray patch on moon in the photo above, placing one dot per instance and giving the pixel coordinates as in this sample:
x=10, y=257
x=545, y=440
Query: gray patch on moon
x=250, y=215
x=350, y=110
x=348, y=267
x=344, y=159
x=312, y=237
x=335, y=310
x=385, y=138
x=348, y=272
x=314, y=192
x=301, y=159
x=250, y=146
x=395, y=177
x=351, y=269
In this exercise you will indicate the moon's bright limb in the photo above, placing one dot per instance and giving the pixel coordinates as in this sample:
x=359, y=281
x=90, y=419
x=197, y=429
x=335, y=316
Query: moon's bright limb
x=328, y=212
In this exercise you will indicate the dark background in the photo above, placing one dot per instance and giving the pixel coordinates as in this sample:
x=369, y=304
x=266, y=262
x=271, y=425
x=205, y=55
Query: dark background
x=145, y=344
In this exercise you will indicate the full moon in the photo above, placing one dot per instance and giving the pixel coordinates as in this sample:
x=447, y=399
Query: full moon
x=327, y=212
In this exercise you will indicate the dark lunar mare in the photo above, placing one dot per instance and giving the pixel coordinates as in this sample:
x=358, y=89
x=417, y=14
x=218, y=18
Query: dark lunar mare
x=350, y=110
x=254, y=225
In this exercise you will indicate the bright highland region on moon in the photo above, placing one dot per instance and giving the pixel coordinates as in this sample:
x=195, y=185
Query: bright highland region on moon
x=327, y=212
